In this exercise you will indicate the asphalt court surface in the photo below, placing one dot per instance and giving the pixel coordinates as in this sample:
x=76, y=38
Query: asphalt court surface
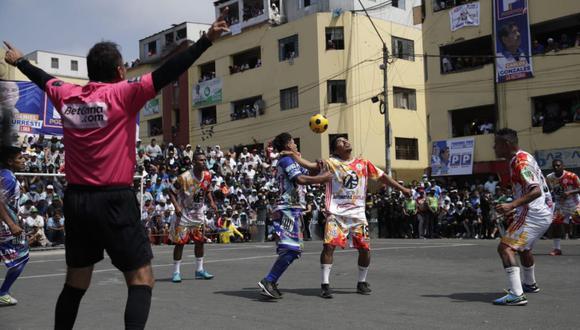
x=417, y=284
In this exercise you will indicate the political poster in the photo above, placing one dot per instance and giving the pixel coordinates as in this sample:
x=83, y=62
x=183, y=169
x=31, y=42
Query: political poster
x=207, y=93
x=452, y=157
x=464, y=15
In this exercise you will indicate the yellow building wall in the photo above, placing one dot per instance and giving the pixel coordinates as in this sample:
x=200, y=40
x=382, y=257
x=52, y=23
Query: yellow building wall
x=475, y=87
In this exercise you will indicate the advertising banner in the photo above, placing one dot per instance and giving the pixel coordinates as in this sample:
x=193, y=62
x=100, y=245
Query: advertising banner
x=512, y=40
x=207, y=93
x=452, y=157
x=464, y=15
x=151, y=108
x=569, y=156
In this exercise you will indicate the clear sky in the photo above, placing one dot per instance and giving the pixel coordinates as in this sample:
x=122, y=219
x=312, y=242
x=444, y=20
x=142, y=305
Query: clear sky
x=73, y=26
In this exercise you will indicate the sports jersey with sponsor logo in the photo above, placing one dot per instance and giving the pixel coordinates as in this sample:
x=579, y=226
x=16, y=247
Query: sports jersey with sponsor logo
x=191, y=192
x=567, y=182
x=291, y=194
x=526, y=174
x=9, y=196
x=99, y=124
x=346, y=193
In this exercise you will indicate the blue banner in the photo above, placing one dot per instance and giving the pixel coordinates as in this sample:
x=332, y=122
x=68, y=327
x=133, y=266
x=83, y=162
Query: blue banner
x=512, y=40
x=33, y=113
x=452, y=157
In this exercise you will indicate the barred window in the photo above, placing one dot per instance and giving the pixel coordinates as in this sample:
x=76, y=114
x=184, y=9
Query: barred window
x=406, y=149
x=289, y=98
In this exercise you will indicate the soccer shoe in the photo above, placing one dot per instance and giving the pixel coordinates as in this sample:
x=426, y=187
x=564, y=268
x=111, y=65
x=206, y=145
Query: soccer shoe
x=176, y=278
x=203, y=275
x=510, y=299
x=363, y=288
x=556, y=252
x=269, y=289
x=7, y=300
x=325, y=293
x=530, y=288
x=277, y=290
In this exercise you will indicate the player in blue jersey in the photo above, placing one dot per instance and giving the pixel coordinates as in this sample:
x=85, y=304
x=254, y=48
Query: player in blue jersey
x=287, y=218
x=13, y=244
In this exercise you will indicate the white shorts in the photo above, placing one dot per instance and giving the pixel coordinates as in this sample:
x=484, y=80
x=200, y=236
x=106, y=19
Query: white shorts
x=523, y=232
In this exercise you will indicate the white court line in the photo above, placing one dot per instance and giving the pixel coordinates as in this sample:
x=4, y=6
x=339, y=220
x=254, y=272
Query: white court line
x=256, y=257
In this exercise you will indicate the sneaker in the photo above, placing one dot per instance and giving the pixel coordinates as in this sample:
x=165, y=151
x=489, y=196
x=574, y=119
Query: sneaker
x=511, y=299
x=363, y=288
x=530, y=288
x=556, y=252
x=268, y=289
x=276, y=289
x=7, y=300
x=326, y=293
x=203, y=275
x=176, y=278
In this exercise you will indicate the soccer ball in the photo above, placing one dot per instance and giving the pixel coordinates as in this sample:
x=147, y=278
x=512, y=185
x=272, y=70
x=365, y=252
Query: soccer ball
x=318, y=123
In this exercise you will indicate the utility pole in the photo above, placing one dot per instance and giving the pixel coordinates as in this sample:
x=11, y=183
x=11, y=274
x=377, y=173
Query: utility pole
x=385, y=102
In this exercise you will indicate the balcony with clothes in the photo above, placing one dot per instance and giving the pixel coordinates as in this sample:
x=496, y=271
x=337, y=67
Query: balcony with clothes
x=246, y=13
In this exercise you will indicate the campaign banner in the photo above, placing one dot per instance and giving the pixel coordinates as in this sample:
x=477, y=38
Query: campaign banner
x=32, y=111
x=464, y=15
x=570, y=157
x=152, y=107
x=512, y=40
x=207, y=93
x=452, y=157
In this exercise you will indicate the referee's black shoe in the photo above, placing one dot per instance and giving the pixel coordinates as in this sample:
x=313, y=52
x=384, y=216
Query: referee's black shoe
x=363, y=288
x=326, y=293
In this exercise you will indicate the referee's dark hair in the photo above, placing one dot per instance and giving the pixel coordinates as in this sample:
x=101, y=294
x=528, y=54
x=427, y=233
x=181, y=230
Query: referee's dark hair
x=281, y=140
x=508, y=135
x=103, y=60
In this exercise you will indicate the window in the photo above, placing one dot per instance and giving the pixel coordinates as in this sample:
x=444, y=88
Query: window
x=181, y=34
x=253, y=8
x=306, y=3
x=563, y=31
x=155, y=126
x=405, y=98
x=331, y=138
x=247, y=108
x=288, y=48
x=247, y=60
x=403, y=48
x=336, y=91
x=233, y=14
x=556, y=110
x=398, y=3
x=334, y=38
x=289, y=98
x=54, y=63
x=74, y=65
x=208, y=116
x=473, y=121
x=466, y=55
x=447, y=4
x=406, y=149
x=207, y=71
x=151, y=48
x=169, y=38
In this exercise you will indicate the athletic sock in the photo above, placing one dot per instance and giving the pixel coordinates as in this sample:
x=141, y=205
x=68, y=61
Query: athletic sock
x=529, y=275
x=514, y=281
x=362, y=273
x=177, y=266
x=325, y=273
x=137, y=308
x=67, y=307
x=284, y=260
x=199, y=264
x=557, y=244
x=11, y=276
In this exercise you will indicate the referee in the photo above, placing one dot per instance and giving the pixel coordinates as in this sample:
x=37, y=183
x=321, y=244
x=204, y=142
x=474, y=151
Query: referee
x=101, y=210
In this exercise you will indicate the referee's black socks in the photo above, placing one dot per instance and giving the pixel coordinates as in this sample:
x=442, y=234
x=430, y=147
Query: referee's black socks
x=137, y=308
x=67, y=307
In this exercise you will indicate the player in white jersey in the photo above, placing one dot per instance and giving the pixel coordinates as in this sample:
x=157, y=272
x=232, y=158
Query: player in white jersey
x=345, y=207
x=188, y=195
x=530, y=215
x=565, y=186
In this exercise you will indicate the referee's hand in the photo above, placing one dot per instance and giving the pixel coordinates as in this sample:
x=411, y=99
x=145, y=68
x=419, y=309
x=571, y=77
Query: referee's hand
x=219, y=26
x=12, y=54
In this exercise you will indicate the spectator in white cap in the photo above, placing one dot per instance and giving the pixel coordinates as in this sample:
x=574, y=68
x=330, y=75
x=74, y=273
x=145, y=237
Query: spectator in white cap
x=188, y=152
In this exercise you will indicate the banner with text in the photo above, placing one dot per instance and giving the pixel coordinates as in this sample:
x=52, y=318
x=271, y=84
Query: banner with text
x=207, y=93
x=464, y=15
x=452, y=157
x=512, y=40
x=569, y=156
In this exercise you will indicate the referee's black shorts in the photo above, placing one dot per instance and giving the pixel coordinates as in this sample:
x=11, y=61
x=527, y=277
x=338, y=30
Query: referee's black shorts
x=104, y=218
